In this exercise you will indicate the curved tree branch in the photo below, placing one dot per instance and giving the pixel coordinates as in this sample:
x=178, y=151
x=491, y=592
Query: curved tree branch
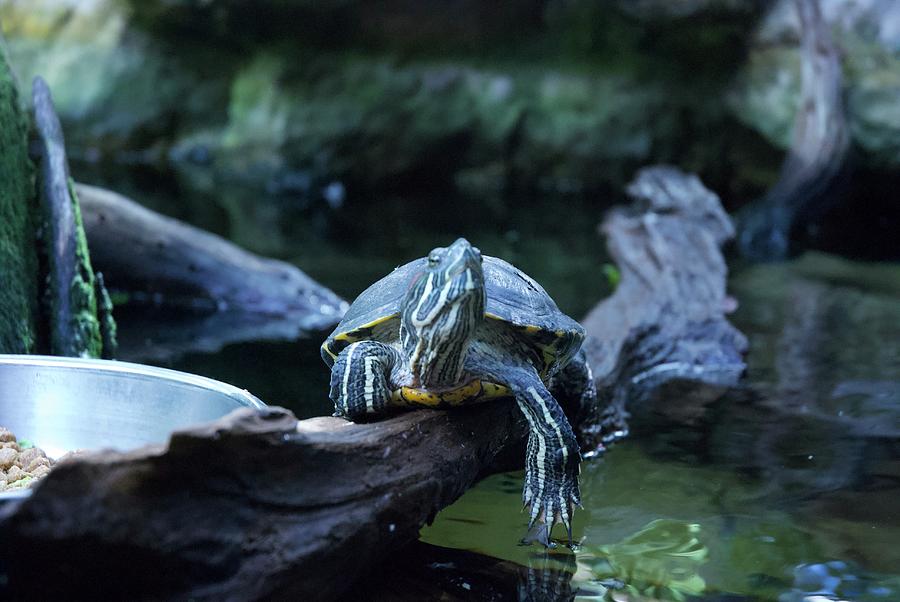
x=818, y=152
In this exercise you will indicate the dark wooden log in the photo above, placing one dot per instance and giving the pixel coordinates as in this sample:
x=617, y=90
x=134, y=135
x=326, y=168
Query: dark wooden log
x=817, y=157
x=71, y=295
x=231, y=294
x=665, y=323
x=252, y=506
x=257, y=505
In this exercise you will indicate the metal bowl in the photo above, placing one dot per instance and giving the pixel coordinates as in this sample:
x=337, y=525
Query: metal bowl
x=62, y=404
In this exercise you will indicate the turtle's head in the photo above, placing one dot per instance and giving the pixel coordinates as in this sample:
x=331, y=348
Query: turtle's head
x=441, y=311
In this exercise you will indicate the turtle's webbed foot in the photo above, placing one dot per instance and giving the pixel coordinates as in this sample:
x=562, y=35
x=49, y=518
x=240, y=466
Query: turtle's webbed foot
x=551, y=499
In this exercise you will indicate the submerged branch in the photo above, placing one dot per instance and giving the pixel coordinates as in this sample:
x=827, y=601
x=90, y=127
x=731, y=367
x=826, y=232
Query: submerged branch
x=230, y=294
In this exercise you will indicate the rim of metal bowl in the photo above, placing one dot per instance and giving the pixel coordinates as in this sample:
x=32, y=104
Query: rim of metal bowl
x=242, y=396
x=117, y=367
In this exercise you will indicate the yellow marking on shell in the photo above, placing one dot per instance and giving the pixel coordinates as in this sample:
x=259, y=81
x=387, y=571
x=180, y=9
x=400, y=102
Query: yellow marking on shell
x=327, y=350
x=344, y=336
x=411, y=396
x=380, y=320
x=493, y=390
x=549, y=353
x=475, y=391
x=349, y=337
x=467, y=391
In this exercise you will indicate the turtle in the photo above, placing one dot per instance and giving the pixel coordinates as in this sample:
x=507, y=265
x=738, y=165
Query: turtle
x=457, y=328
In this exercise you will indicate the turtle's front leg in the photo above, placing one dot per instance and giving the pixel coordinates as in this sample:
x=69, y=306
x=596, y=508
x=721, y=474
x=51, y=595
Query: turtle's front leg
x=360, y=387
x=552, y=461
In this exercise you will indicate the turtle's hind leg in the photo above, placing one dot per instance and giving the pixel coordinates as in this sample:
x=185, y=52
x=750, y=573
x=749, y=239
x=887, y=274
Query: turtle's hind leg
x=576, y=391
x=359, y=380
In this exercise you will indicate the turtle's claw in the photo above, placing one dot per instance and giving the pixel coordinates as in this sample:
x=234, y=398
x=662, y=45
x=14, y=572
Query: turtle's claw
x=538, y=533
x=551, y=504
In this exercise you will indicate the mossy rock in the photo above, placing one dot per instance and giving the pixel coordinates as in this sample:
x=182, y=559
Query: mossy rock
x=29, y=297
x=18, y=256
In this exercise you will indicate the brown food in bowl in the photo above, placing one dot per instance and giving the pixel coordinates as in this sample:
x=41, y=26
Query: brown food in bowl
x=21, y=464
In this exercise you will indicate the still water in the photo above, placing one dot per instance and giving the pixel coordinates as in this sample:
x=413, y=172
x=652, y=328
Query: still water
x=786, y=490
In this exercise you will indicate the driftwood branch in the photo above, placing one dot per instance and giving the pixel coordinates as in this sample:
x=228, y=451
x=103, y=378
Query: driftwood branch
x=230, y=294
x=818, y=153
x=665, y=324
x=257, y=505
x=252, y=506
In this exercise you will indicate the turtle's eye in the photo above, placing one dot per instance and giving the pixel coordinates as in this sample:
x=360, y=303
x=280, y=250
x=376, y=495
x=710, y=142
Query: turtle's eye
x=433, y=259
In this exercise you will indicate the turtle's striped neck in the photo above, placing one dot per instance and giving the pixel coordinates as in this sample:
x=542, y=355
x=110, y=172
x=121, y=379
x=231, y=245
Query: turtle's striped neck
x=440, y=313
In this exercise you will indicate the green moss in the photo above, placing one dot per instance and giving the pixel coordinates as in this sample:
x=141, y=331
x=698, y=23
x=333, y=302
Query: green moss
x=87, y=340
x=18, y=258
x=373, y=120
x=108, y=329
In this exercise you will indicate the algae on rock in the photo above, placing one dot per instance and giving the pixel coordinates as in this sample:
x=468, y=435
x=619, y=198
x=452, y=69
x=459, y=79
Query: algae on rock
x=85, y=325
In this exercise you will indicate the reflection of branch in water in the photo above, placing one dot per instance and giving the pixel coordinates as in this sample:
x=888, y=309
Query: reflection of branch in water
x=421, y=571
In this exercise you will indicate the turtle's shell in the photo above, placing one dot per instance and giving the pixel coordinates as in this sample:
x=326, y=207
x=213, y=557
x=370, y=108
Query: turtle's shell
x=512, y=298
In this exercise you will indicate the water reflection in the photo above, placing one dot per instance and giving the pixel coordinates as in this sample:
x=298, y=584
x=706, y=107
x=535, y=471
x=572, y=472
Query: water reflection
x=661, y=561
x=548, y=576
